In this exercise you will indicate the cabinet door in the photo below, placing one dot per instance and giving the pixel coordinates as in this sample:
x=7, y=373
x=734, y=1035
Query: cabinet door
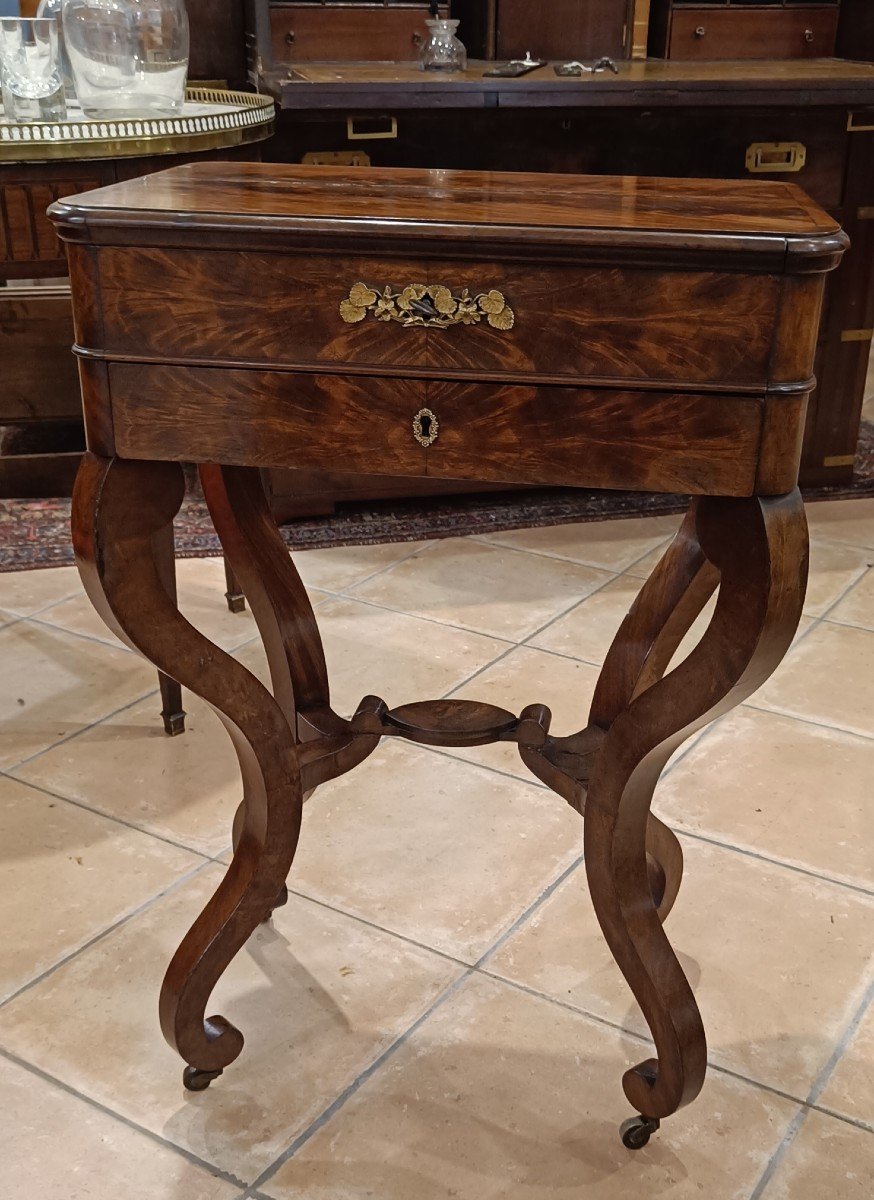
x=563, y=29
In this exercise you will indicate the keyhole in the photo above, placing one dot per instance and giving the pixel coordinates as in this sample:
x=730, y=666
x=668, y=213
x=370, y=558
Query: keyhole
x=426, y=425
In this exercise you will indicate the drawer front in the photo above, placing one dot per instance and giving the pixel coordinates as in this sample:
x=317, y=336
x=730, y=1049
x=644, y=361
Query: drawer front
x=705, y=33
x=556, y=324
x=603, y=439
x=492, y=433
x=266, y=419
x=317, y=33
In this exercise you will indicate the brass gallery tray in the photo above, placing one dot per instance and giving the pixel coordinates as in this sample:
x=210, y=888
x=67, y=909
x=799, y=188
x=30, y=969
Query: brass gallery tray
x=212, y=119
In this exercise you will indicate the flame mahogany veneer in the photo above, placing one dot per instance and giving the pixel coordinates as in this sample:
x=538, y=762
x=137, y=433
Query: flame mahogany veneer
x=599, y=332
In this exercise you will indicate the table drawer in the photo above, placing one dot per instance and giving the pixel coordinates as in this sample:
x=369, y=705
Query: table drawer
x=445, y=430
x=351, y=32
x=708, y=33
x=559, y=324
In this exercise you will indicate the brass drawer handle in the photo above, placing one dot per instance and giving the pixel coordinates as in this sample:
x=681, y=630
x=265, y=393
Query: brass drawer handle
x=769, y=158
x=427, y=304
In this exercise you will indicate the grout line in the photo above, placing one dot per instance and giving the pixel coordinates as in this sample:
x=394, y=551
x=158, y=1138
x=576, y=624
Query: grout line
x=115, y=644
x=394, y=933
x=108, y=816
x=403, y=612
x=646, y=1039
x=818, y=1087
x=84, y=729
x=349, y=1091
x=429, y=544
x=578, y=562
x=188, y=1155
x=334, y=1107
x=784, y=712
x=104, y=933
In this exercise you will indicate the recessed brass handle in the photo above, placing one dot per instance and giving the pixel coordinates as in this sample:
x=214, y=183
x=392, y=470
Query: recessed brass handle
x=431, y=305
x=775, y=158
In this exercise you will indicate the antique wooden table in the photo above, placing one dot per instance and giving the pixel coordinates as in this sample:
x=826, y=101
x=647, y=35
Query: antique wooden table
x=606, y=332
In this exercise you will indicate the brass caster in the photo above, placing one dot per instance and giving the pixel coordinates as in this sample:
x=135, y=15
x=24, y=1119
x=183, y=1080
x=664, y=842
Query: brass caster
x=198, y=1081
x=636, y=1131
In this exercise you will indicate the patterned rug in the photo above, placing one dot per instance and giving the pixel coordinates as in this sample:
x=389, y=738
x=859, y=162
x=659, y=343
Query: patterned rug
x=36, y=533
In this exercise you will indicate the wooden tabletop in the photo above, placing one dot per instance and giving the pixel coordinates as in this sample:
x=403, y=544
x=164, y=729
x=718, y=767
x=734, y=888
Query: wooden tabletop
x=358, y=86
x=370, y=195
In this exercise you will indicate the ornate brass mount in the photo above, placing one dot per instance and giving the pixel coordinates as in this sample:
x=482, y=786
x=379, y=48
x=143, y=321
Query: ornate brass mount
x=426, y=427
x=427, y=304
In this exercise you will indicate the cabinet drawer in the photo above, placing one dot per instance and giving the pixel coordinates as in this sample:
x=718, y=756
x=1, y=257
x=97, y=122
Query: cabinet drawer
x=706, y=33
x=600, y=324
x=363, y=33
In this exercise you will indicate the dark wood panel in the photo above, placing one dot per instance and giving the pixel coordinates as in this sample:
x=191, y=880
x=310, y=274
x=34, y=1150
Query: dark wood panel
x=652, y=441
x=218, y=47
x=266, y=419
x=336, y=32
x=562, y=29
x=708, y=33
x=39, y=380
x=667, y=326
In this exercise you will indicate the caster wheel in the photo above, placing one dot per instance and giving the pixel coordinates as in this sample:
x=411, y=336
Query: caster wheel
x=280, y=900
x=637, y=1131
x=198, y=1081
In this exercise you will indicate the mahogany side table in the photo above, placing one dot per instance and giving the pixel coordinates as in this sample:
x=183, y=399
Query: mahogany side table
x=601, y=332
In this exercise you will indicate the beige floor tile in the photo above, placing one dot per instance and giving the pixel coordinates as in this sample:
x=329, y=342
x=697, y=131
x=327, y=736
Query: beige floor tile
x=613, y=545
x=828, y=1160
x=317, y=995
x=504, y=1096
x=26, y=592
x=527, y=676
x=185, y=788
x=54, y=1146
x=850, y=521
x=850, y=1091
x=780, y=787
x=645, y=566
x=778, y=961
x=857, y=607
x=485, y=588
x=55, y=683
x=68, y=874
x=588, y=630
x=439, y=850
x=829, y=677
x=373, y=651
x=335, y=570
x=201, y=584
x=833, y=568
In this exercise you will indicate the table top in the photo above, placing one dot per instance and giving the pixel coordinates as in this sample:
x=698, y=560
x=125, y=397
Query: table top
x=211, y=119
x=565, y=210
x=763, y=83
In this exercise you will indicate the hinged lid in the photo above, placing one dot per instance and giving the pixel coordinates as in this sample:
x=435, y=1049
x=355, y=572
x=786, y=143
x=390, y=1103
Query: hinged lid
x=744, y=223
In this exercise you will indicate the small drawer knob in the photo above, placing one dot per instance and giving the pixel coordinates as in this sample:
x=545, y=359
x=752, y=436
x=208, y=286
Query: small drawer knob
x=289, y=38
x=700, y=32
x=808, y=36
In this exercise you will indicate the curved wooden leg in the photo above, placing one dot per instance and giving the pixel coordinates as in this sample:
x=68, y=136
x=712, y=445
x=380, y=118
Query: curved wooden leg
x=118, y=507
x=759, y=548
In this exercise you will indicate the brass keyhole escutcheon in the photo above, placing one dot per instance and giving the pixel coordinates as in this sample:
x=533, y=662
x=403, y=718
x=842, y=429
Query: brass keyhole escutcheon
x=426, y=427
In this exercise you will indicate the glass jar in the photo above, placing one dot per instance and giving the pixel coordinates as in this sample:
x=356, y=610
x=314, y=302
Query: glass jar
x=443, y=51
x=53, y=8
x=129, y=57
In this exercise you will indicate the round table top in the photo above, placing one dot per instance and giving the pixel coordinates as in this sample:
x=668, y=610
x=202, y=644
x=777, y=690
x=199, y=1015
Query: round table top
x=212, y=119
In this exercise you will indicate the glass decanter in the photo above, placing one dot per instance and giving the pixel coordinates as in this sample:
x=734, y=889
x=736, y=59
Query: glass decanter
x=53, y=8
x=129, y=57
x=442, y=50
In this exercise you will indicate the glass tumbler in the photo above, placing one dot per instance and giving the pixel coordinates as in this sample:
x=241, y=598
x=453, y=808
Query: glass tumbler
x=30, y=70
x=129, y=57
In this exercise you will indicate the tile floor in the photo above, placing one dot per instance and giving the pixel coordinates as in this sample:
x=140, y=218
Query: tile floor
x=434, y=1014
